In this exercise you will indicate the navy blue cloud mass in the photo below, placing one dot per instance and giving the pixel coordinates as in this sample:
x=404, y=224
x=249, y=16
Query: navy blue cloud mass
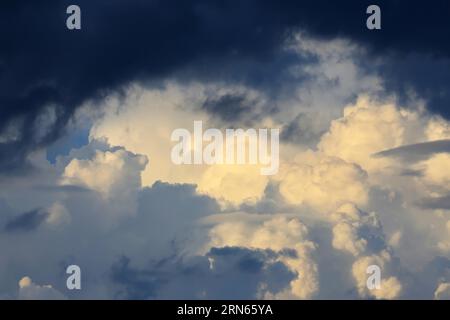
x=43, y=63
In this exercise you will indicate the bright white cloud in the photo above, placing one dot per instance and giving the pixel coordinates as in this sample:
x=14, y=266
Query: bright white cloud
x=109, y=172
x=323, y=182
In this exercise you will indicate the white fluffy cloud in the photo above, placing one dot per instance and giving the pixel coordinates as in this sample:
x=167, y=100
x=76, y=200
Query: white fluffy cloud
x=390, y=287
x=368, y=127
x=233, y=183
x=323, y=182
x=436, y=171
x=352, y=229
x=109, y=172
x=361, y=234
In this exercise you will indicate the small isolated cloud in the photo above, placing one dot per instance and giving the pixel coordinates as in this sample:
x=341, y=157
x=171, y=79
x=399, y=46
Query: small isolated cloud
x=28, y=290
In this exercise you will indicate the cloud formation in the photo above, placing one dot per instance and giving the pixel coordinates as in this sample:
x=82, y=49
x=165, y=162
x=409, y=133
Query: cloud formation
x=28, y=290
x=364, y=159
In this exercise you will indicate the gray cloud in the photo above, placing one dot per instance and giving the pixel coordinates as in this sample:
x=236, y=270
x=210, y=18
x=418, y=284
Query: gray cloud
x=304, y=129
x=435, y=203
x=417, y=151
x=27, y=221
x=223, y=273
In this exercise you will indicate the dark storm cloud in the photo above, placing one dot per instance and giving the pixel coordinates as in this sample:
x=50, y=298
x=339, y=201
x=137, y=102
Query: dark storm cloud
x=42, y=64
x=229, y=107
x=427, y=75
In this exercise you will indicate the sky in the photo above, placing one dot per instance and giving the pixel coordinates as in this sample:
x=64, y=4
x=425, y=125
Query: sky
x=87, y=178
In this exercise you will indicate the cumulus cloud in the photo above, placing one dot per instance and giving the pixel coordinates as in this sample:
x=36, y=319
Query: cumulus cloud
x=390, y=287
x=136, y=125
x=278, y=234
x=361, y=234
x=144, y=227
x=320, y=91
x=356, y=231
x=234, y=184
x=113, y=171
x=368, y=127
x=323, y=182
x=165, y=229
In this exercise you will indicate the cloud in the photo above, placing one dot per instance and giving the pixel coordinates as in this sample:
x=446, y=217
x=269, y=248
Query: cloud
x=322, y=209
x=277, y=234
x=435, y=202
x=114, y=217
x=28, y=290
x=356, y=231
x=416, y=151
x=345, y=238
x=126, y=122
x=235, y=184
x=442, y=292
x=30, y=90
x=434, y=171
x=58, y=214
x=333, y=204
x=27, y=221
x=322, y=182
x=305, y=129
x=361, y=234
x=223, y=273
x=256, y=58
x=390, y=287
x=180, y=106
x=368, y=127
x=229, y=107
x=116, y=171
